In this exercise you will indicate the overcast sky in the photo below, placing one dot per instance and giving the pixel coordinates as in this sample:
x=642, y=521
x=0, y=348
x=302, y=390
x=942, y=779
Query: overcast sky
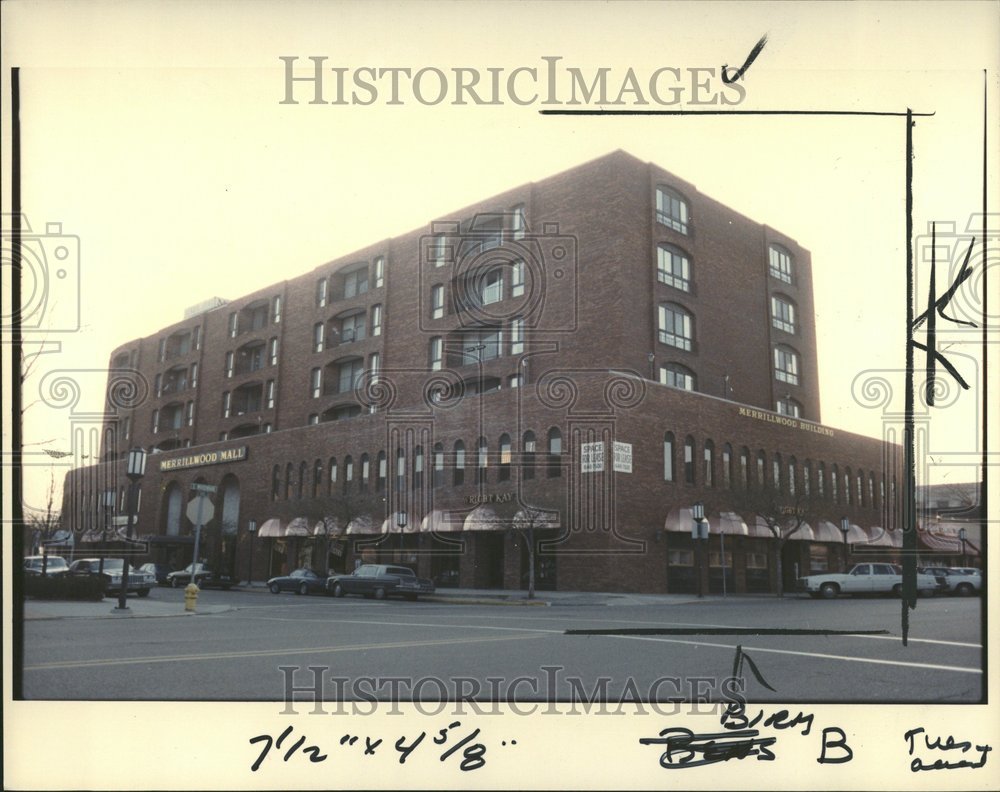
x=155, y=134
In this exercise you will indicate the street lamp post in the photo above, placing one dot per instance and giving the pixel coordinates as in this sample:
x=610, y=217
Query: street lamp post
x=962, y=536
x=135, y=469
x=699, y=531
x=109, y=504
x=401, y=520
x=845, y=527
x=251, y=529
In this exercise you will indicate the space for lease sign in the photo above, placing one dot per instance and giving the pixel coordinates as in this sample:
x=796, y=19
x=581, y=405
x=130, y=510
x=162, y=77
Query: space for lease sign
x=622, y=457
x=591, y=457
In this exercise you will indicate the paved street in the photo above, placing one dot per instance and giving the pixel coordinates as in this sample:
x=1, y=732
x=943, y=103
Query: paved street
x=233, y=648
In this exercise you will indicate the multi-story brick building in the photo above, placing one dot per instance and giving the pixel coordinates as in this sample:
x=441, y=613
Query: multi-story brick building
x=422, y=398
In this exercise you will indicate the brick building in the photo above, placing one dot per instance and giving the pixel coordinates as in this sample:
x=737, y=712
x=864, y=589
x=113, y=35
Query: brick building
x=586, y=356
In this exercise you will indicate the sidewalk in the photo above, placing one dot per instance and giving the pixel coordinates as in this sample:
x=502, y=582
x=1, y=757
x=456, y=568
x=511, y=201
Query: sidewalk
x=35, y=609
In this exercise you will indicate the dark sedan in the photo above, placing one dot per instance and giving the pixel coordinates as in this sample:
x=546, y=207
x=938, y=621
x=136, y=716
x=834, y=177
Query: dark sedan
x=203, y=578
x=301, y=581
x=111, y=569
x=159, y=571
x=380, y=581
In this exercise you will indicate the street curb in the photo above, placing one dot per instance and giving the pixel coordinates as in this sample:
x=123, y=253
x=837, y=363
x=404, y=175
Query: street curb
x=112, y=615
x=474, y=601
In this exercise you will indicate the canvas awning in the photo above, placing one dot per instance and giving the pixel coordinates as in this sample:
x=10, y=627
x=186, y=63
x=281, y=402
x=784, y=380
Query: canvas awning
x=536, y=518
x=362, y=525
x=298, y=527
x=391, y=524
x=441, y=521
x=483, y=518
x=728, y=523
x=271, y=529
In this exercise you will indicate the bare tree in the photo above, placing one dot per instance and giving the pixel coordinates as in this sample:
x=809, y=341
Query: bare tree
x=784, y=514
x=524, y=521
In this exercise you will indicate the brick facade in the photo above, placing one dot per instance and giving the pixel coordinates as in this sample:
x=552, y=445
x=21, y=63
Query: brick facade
x=582, y=364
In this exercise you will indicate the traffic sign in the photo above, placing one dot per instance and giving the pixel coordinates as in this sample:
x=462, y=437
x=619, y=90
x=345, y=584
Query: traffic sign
x=209, y=488
x=200, y=510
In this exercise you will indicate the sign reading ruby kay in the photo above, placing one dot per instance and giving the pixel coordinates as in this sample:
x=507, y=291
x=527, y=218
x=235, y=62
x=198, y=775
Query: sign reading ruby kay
x=592, y=457
x=208, y=458
x=785, y=420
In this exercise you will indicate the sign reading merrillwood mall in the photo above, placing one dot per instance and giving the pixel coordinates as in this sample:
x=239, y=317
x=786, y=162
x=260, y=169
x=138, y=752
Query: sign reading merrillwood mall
x=207, y=458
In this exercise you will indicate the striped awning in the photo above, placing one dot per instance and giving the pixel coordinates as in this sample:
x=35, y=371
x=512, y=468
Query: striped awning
x=728, y=523
x=880, y=537
x=298, y=527
x=826, y=531
x=271, y=529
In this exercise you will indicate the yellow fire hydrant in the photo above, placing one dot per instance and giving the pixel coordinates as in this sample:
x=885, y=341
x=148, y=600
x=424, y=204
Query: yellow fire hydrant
x=190, y=596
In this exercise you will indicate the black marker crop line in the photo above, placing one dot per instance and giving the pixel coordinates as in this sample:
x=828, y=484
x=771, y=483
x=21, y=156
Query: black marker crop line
x=983, y=542
x=16, y=430
x=931, y=365
x=721, y=631
x=890, y=113
x=908, y=599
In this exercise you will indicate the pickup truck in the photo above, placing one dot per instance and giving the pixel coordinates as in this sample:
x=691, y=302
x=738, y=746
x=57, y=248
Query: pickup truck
x=864, y=579
x=379, y=581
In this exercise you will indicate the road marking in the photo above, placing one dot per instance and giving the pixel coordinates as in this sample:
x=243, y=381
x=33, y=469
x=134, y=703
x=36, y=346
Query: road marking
x=263, y=653
x=820, y=655
x=624, y=621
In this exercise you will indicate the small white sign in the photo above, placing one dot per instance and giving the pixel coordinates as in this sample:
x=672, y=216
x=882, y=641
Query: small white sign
x=623, y=457
x=591, y=457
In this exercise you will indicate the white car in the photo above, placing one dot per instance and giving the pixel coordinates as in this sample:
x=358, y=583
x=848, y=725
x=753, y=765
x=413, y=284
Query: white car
x=965, y=581
x=864, y=579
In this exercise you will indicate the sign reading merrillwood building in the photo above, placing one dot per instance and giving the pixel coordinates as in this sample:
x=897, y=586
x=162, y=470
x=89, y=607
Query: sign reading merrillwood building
x=207, y=458
x=785, y=420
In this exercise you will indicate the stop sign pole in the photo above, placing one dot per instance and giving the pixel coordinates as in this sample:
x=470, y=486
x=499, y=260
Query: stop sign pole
x=200, y=510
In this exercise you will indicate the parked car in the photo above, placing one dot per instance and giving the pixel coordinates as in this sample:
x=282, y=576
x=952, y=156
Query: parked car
x=864, y=579
x=380, y=581
x=111, y=570
x=301, y=581
x=203, y=578
x=54, y=565
x=159, y=571
x=967, y=580
x=941, y=575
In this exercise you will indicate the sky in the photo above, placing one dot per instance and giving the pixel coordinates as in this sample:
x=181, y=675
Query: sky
x=154, y=133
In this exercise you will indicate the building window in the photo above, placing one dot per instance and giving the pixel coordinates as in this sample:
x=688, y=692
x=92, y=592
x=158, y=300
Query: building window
x=276, y=310
x=458, y=474
x=348, y=472
x=158, y=384
x=272, y=357
x=482, y=459
x=668, y=456
x=373, y=366
x=229, y=365
x=491, y=290
x=313, y=419
x=871, y=491
x=834, y=476
x=782, y=313
x=379, y=272
x=689, y=460
x=761, y=467
x=196, y=338
x=437, y=474
x=269, y=394
x=226, y=404
x=332, y=478
x=515, y=381
x=860, y=479
x=776, y=473
x=289, y=471
x=675, y=327
x=821, y=480
x=481, y=345
x=675, y=375
x=517, y=336
x=818, y=559
x=319, y=337
x=438, y=251
x=155, y=423
x=190, y=413
x=745, y=468
x=436, y=353
x=128, y=427
x=352, y=328
x=382, y=471
x=673, y=268
x=437, y=301
x=376, y=320
x=517, y=279
x=194, y=375
x=727, y=466
x=275, y=482
x=807, y=478
x=681, y=558
x=316, y=383
x=709, y=473
x=791, y=475
x=348, y=374
x=780, y=264
x=322, y=285
x=671, y=209
x=355, y=282
x=233, y=324
x=555, y=453
x=528, y=458
x=302, y=481
x=503, y=471
x=786, y=365
x=847, y=487
x=519, y=223
x=789, y=407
